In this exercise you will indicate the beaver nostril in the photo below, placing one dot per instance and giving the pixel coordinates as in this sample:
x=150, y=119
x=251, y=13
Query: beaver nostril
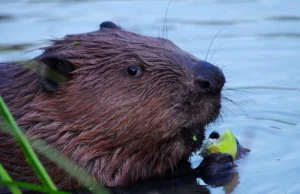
x=208, y=78
x=203, y=84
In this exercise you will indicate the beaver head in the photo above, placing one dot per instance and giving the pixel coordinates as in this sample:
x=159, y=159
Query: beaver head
x=125, y=106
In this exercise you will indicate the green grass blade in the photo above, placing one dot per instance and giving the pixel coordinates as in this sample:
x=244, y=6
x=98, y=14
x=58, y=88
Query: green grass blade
x=31, y=157
x=31, y=187
x=5, y=177
x=69, y=166
x=55, y=156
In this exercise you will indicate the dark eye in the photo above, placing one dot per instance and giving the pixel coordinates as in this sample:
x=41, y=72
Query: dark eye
x=134, y=71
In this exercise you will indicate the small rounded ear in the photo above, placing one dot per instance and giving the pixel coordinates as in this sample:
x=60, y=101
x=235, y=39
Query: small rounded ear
x=109, y=25
x=54, y=71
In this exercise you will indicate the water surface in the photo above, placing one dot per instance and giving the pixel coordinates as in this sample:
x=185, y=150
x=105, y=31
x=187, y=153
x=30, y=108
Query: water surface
x=258, y=48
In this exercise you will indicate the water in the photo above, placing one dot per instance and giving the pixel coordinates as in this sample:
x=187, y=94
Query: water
x=257, y=48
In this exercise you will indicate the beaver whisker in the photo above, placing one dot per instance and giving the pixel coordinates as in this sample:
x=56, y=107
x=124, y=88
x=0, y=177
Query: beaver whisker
x=118, y=127
x=211, y=42
x=240, y=90
x=240, y=106
x=215, y=51
x=165, y=24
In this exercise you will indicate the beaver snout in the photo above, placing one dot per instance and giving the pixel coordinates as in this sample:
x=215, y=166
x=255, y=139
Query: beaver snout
x=208, y=78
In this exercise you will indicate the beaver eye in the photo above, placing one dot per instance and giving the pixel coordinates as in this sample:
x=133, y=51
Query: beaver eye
x=134, y=71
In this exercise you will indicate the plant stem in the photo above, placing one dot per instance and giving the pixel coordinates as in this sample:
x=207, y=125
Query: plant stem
x=4, y=176
x=31, y=187
x=31, y=157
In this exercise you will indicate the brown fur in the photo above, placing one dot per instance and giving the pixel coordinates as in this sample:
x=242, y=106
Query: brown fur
x=118, y=128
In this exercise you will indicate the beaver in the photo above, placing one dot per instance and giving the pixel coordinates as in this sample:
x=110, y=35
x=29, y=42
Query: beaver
x=123, y=106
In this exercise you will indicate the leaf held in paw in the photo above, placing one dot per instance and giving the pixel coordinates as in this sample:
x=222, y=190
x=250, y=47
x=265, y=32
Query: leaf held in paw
x=226, y=143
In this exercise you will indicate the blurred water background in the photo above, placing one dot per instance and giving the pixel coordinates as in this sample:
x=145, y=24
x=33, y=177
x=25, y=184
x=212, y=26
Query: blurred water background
x=258, y=48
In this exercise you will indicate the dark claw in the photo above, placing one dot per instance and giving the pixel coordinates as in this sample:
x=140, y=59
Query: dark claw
x=217, y=169
x=241, y=151
x=216, y=162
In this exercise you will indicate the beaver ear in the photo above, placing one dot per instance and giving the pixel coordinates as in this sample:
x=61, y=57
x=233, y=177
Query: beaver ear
x=54, y=71
x=109, y=25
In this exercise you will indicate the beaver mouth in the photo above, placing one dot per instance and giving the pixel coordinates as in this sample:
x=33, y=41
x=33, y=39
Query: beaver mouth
x=200, y=113
x=193, y=136
x=203, y=110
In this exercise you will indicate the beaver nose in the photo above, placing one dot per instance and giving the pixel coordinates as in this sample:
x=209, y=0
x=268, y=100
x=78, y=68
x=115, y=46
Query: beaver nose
x=208, y=78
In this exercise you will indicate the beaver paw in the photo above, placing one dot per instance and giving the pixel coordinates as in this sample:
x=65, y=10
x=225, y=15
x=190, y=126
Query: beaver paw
x=217, y=169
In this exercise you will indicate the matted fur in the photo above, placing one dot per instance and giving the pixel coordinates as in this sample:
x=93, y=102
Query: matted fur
x=118, y=128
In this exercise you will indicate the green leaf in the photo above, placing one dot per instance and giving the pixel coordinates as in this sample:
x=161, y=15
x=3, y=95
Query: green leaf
x=75, y=43
x=195, y=138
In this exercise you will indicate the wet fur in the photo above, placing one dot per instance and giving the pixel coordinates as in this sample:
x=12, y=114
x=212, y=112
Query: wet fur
x=118, y=128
